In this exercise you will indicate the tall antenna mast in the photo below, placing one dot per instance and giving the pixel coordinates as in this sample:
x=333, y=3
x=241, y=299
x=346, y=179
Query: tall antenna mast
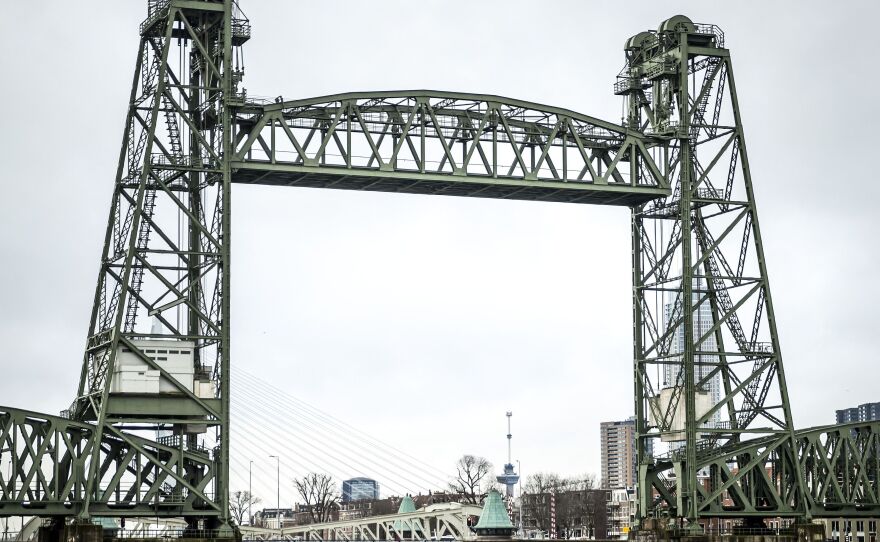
x=509, y=437
x=510, y=477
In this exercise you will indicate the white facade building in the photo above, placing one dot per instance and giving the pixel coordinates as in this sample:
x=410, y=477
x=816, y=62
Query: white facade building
x=703, y=363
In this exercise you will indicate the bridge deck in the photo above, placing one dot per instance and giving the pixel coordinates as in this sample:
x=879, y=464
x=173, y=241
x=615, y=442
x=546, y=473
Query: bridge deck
x=403, y=182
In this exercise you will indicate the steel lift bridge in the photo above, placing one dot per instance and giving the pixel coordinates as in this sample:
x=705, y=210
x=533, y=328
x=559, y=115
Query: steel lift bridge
x=148, y=433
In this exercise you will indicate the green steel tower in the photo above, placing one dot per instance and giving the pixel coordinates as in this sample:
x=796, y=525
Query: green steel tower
x=159, y=331
x=701, y=245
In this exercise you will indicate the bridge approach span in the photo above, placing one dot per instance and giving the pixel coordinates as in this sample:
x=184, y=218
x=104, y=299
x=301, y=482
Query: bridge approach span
x=839, y=473
x=48, y=458
x=447, y=519
x=434, y=521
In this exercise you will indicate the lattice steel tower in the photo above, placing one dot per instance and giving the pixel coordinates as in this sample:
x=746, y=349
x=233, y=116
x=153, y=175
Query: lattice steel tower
x=159, y=331
x=700, y=245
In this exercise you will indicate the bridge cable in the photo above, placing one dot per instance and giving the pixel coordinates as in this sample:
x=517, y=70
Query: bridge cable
x=316, y=465
x=345, y=437
x=396, y=453
x=258, y=397
x=334, y=459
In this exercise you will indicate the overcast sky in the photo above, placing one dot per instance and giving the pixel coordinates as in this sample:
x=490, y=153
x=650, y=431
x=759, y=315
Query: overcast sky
x=422, y=320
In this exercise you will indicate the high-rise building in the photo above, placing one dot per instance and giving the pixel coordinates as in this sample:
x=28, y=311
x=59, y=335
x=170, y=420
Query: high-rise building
x=703, y=363
x=863, y=413
x=358, y=489
x=618, y=441
x=618, y=453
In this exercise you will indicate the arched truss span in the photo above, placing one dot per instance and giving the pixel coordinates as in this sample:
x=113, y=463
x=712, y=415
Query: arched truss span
x=44, y=466
x=838, y=474
x=429, y=142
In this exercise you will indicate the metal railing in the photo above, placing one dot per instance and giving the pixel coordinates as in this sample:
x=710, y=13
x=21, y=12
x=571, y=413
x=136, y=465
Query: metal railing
x=624, y=84
x=241, y=30
x=169, y=533
x=734, y=530
x=161, y=160
x=174, y=441
x=662, y=67
x=670, y=128
x=761, y=347
x=710, y=193
x=156, y=9
x=713, y=30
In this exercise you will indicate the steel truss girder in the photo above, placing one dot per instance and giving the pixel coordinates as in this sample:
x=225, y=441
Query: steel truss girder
x=430, y=142
x=419, y=525
x=49, y=460
x=831, y=471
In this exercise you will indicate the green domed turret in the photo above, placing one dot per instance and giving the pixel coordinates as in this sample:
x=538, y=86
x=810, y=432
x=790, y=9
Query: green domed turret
x=494, y=520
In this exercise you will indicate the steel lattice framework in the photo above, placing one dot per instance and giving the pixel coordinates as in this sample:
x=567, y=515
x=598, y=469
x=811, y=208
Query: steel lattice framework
x=427, y=142
x=708, y=369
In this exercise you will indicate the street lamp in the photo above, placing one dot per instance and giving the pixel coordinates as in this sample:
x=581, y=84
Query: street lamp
x=519, y=471
x=250, y=491
x=278, y=484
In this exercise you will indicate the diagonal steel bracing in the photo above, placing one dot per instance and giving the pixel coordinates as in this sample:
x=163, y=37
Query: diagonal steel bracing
x=55, y=457
x=429, y=142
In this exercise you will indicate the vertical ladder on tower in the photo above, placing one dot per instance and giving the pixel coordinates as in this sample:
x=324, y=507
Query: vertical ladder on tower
x=698, y=119
x=137, y=270
x=149, y=203
x=173, y=129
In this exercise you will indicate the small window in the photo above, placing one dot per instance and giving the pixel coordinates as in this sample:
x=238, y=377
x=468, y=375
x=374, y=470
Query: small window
x=126, y=349
x=173, y=352
x=161, y=351
x=162, y=358
x=150, y=351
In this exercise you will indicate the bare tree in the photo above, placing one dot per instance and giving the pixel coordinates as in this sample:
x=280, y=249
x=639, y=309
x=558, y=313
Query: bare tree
x=491, y=482
x=471, y=471
x=536, y=501
x=593, y=510
x=542, y=482
x=581, y=482
x=240, y=503
x=582, y=509
x=576, y=502
x=319, y=493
